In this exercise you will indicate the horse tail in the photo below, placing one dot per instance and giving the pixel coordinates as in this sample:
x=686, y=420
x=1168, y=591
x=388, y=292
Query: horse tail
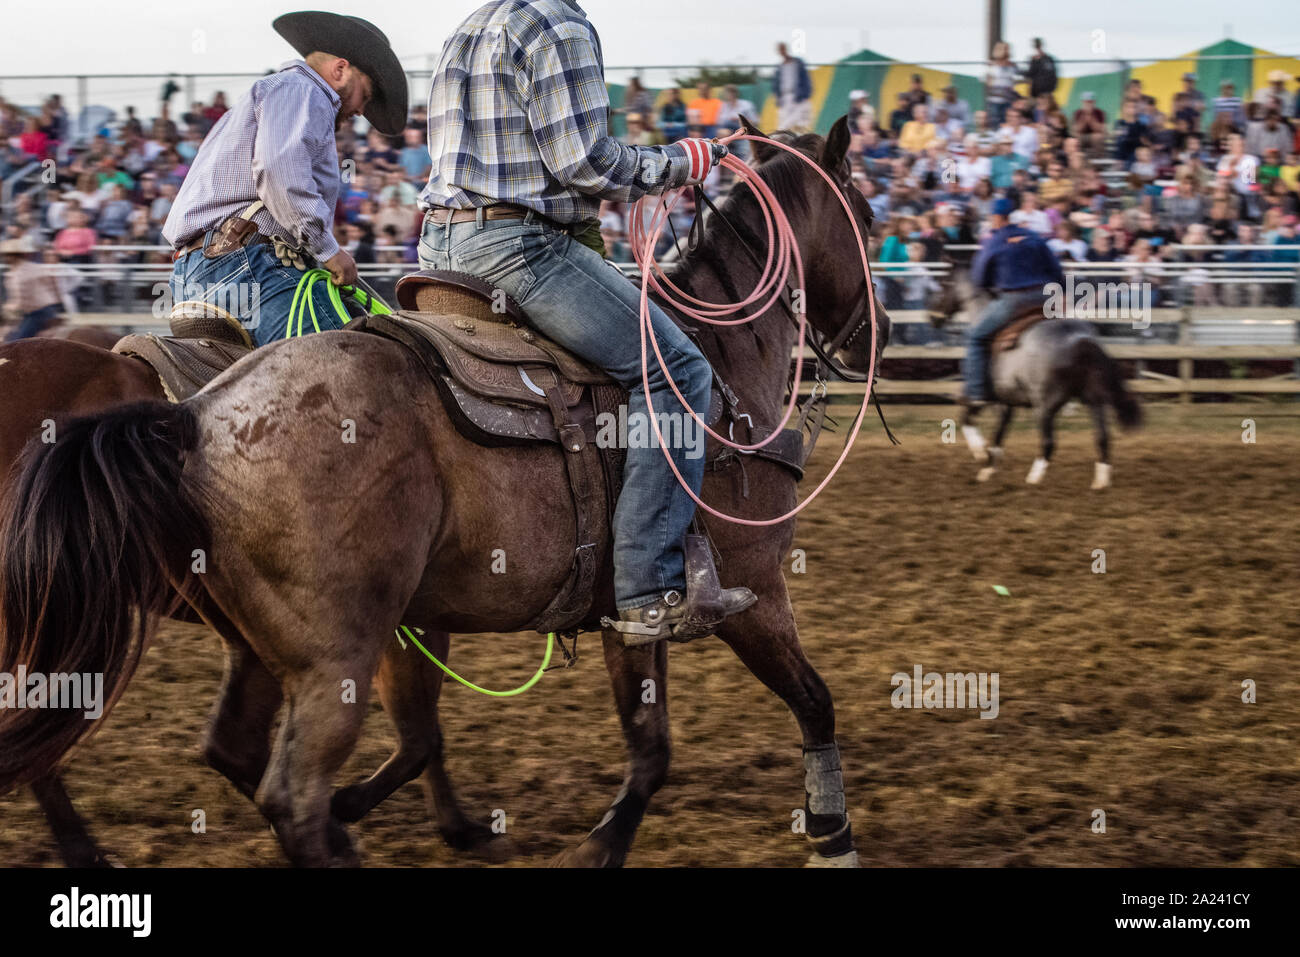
x=1107, y=385
x=87, y=561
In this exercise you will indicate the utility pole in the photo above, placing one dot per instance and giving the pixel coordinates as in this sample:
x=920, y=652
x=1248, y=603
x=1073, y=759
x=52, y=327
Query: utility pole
x=994, y=25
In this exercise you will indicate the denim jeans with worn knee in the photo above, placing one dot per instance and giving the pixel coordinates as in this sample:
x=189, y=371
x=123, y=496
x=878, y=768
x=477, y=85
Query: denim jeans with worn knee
x=252, y=285
x=999, y=314
x=586, y=305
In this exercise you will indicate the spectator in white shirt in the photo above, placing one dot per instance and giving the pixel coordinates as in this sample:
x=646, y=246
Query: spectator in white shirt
x=1024, y=138
x=1033, y=218
x=974, y=166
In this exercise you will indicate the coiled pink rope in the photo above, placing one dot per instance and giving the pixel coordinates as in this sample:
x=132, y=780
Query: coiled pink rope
x=782, y=250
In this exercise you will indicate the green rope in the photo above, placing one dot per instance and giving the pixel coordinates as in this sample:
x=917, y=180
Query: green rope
x=550, y=644
x=304, y=304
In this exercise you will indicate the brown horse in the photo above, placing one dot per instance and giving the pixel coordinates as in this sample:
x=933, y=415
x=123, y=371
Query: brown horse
x=317, y=547
x=45, y=383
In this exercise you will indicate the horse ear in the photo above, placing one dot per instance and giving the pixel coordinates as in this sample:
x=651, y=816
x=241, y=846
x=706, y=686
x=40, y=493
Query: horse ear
x=762, y=152
x=837, y=145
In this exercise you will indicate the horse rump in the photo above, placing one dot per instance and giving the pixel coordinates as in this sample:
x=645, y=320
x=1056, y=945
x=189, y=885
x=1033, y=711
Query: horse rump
x=1105, y=385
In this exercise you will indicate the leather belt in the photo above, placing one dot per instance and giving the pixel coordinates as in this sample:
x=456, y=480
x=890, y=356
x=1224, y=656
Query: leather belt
x=197, y=244
x=441, y=215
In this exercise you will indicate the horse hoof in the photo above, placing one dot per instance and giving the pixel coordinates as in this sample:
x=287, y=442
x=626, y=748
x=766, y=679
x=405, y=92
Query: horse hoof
x=984, y=474
x=1036, y=472
x=587, y=854
x=480, y=841
x=842, y=860
x=975, y=442
x=1101, y=476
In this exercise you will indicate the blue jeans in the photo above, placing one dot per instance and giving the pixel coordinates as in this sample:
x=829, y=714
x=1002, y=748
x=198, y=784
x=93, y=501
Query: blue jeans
x=999, y=314
x=573, y=296
x=254, y=287
x=33, y=322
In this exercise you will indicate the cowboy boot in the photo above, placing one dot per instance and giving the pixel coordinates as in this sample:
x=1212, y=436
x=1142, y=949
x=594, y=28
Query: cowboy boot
x=705, y=606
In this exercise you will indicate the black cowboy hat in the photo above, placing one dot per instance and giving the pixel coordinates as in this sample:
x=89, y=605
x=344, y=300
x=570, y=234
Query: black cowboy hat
x=362, y=44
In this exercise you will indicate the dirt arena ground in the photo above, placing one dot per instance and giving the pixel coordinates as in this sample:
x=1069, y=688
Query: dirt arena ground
x=1119, y=691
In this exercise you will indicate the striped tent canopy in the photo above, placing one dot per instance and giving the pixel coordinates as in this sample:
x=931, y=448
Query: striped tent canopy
x=885, y=80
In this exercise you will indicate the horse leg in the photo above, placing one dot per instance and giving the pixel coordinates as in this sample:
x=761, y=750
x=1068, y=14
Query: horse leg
x=766, y=640
x=408, y=686
x=237, y=743
x=995, y=450
x=1101, y=472
x=971, y=433
x=639, y=676
x=326, y=705
x=76, y=845
x=1047, y=427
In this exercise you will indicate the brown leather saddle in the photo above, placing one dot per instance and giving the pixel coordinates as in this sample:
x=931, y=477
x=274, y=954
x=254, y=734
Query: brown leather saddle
x=205, y=341
x=1007, y=337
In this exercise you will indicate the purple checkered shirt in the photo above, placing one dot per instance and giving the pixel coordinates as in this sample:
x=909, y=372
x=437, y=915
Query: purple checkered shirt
x=277, y=145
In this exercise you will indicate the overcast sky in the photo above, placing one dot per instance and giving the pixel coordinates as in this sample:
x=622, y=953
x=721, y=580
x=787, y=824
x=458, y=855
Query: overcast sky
x=53, y=36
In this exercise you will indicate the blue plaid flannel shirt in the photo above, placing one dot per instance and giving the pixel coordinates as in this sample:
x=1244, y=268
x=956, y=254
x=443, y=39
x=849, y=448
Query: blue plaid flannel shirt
x=519, y=113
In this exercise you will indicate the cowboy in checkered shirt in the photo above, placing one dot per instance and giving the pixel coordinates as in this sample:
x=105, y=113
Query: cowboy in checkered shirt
x=521, y=159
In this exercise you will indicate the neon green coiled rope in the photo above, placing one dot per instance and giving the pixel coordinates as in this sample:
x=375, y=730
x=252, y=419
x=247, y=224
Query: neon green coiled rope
x=304, y=305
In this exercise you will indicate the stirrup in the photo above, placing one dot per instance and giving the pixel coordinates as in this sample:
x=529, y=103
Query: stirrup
x=705, y=607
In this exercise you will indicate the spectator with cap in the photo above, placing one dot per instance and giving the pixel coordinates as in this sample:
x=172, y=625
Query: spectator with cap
x=637, y=134
x=1274, y=95
x=860, y=105
x=1193, y=100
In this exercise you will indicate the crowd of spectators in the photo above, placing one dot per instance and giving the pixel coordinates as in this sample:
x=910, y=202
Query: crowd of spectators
x=1132, y=189
x=1128, y=189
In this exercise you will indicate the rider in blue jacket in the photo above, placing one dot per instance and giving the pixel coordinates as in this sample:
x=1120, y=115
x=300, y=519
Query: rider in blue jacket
x=1019, y=264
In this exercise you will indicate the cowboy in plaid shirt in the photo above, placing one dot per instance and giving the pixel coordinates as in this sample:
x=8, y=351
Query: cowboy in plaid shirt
x=521, y=159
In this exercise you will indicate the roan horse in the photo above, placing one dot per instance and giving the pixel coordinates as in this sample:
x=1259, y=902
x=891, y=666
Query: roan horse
x=317, y=548
x=46, y=382
x=1052, y=362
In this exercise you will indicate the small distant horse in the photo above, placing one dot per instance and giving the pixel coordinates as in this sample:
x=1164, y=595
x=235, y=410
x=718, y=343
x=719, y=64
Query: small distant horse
x=1052, y=362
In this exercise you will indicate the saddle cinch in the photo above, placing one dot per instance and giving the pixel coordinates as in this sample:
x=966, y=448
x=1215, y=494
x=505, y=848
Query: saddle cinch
x=501, y=382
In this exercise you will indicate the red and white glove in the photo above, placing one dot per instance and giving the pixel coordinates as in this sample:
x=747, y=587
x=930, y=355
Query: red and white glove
x=704, y=155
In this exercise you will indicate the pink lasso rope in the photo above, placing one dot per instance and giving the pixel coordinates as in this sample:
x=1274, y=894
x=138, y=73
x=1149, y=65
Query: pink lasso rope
x=781, y=238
